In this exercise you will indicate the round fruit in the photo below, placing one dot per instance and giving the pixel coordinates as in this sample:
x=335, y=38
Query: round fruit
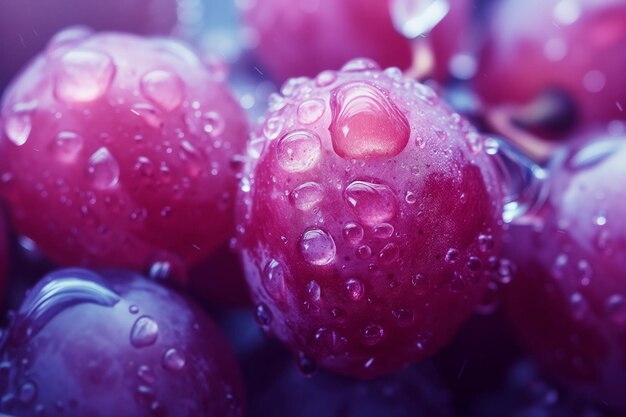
x=120, y=151
x=370, y=218
x=81, y=339
x=568, y=302
x=27, y=25
x=575, y=47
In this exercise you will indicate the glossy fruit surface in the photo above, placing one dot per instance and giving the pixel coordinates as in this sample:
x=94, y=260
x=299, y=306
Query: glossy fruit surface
x=82, y=338
x=121, y=151
x=572, y=46
x=568, y=303
x=26, y=26
x=370, y=219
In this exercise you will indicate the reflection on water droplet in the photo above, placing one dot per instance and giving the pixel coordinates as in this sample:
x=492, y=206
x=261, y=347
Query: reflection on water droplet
x=353, y=233
x=214, y=124
x=163, y=88
x=28, y=393
x=103, y=169
x=311, y=111
x=317, y=247
x=372, y=334
x=314, y=290
x=325, y=78
x=383, y=231
x=173, y=360
x=298, y=151
x=360, y=64
x=373, y=203
x=144, y=332
x=366, y=123
x=66, y=146
x=306, y=196
x=274, y=280
x=389, y=254
x=263, y=316
x=354, y=289
x=17, y=127
x=83, y=76
x=55, y=293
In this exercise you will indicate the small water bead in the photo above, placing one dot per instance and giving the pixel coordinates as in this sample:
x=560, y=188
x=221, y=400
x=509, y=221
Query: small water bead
x=133, y=309
x=360, y=64
x=103, y=169
x=410, y=197
x=273, y=127
x=327, y=339
x=474, y=264
x=364, y=252
x=578, y=306
x=144, y=332
x=403, y=316
x=214, y=124
x=306, y=196
x=17, y=127
x=28, y=393
x=354, y=289
x=353, y=233
x=174, y=360
x=311, y=111
x=389, y=254
x=372, y=334
x=584, y=272
x=456, y=284
x=505, y=269
x=306, y=365
x=452, y=256
x=263, y=315
x=486, y=243
x=145, y=374
x=325, y=78
x=373, y=203
x=365, y=123
x=66, y=146
x=314, y=291
x=383, y=231
x=274, y=279
x=421, y=284
x=83, y=76
x=317, y=247
x=616, y=309
x=298, y=151
x=149, y=114
x=163, y=88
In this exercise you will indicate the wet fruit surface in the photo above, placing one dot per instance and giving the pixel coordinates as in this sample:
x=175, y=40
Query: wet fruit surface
x=369, y=223
x=568, y=302
x=81, y=338
x=121, y=151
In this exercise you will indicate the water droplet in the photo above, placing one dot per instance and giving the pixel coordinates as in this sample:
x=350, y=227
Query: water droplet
x=364, y=252
x=360, y=64
x=355, y=289
x=389, y=254
x=173, y=360
x=372, y=334
x=306, y=196
x=325, y=78
x=416, y=18
x=103, y=169
x=353, y=233
x=420, y=283
x=456, y=284
x=311, y=111
x=263, y=315
x=314, y=290
x=485, y=243
x=410, y=197
x=273, y=127
x=505, y=269
x=274, y=280
x=163, y=88
x=28, y=393
x=145, y=374
x=305, y=364
x=317, y=247
x=365, y=123
x=452, y=256
x=584, y=272
x=298, y=151
x=383, y=231
x=578, y=306
x=83, y=76
x=372, y=203
x=474, y=264
x=214, y=124
x=149, y=114
x=616, y=309
x=326, y=339
x=56, y=292
x=594, y=81
x=403, y=316
x=17, y=127
x=66, y=146
x=144, y=332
